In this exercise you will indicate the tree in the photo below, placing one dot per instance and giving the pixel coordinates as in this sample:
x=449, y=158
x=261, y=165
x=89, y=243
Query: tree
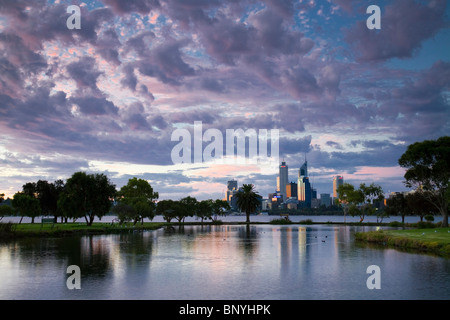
x=419, y=204
x=2, y=197
x=359, y=201
x=5, y=211
x=101, y=198
x=47, y=194
x=219, y=207
x=124, y=212
x=26, y=205
x=188, y=208
x=139, y=195
x=87, y=195
x=349, y=198
x=204, y=209
x=248, y=200
x=427, y=167
x=74, y=200
x=397, y=205
x=167, y=208
x=370, y=194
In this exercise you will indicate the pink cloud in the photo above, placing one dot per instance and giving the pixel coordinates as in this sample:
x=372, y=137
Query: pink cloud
x=229, y=170
x=375, y=173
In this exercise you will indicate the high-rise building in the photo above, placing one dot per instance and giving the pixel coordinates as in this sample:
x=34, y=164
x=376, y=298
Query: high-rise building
x=284, y=179
x=232, y=185
x=232, y=189
x=304, y=169
x=275, y=200
x=291, y=190
x=304, y=192
x=337, y=181
x=325, y=199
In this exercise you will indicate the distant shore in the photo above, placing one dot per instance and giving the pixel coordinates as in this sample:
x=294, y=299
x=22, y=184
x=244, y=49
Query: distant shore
x=254, y=219
x=10, y=229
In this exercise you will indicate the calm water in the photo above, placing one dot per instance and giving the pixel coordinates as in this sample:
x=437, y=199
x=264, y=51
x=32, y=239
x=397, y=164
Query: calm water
x=219, y=262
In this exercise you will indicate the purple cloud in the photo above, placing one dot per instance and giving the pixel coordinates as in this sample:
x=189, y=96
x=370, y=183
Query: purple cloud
x=405, y=25
x=84, y=72
x=130, y=6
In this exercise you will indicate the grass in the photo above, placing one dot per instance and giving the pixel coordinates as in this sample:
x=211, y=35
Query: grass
x=436, y=240
x=65, y=229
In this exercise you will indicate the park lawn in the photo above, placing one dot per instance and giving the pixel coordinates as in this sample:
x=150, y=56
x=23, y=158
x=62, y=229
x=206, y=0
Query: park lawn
x=59, y=229
x=435, y=240
x=440, y=235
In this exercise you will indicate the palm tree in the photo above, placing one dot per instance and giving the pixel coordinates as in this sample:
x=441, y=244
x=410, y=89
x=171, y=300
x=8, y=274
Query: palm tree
x=248, y=200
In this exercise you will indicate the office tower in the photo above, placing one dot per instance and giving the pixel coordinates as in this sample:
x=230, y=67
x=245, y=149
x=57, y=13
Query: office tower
x=284, y=180
x=325, y=199
x=304, y=169
x=291, y=190
x=337, y=181
x=232, y=189
x=275, y=200
x=232, y=184
x=304, y=192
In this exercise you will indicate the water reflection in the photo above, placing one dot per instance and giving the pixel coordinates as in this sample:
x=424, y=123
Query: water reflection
x=218, y=262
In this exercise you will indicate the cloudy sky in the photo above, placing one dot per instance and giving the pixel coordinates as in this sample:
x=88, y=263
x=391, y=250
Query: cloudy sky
x=107, y=97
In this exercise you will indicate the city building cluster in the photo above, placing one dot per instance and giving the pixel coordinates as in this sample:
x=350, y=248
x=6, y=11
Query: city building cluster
x=289, y=194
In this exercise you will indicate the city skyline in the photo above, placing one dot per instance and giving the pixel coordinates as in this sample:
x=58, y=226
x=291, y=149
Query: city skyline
x=107, y=96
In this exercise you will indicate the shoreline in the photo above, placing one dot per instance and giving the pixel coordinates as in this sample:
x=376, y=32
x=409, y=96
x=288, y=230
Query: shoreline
x=409, y=237
x=429, y=240
x=38, y=229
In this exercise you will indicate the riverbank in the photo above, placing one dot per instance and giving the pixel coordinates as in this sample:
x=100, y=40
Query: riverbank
x=15, y=230
x=416, y=237
x=435, y=240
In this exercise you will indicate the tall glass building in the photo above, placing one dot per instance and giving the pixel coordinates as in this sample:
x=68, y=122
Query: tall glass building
x=284, y=179
x=304, y=191
x=337, y=181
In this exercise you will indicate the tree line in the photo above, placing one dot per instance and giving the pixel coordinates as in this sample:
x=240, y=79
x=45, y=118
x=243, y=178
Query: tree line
x=93, y=195
x=427, y=165
x=85, y=195
x=364, y=201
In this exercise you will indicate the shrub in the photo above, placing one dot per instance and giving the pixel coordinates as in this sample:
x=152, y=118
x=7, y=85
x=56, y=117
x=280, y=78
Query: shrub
x=307, y=221
x=396, y=224
x=429, y=218
x=7, y=229
x=280, y=221
x=422, y=225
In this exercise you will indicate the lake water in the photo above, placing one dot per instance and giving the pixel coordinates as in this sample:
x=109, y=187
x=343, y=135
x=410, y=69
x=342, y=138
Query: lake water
x=219, y=262
x=255, y=218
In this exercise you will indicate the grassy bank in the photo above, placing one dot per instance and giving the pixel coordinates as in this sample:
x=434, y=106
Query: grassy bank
x=436, y=240
x=14, y=230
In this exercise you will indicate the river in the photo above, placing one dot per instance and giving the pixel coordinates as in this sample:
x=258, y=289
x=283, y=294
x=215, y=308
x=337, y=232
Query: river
x=289, y=262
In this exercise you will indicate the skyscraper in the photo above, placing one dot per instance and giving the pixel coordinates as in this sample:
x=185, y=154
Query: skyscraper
x=337, y=181
x=232, y=189
x=284, y=179
x=325, y=199
x=291, y=190
x=304, y=192
x=303, y=169
x=232, y=184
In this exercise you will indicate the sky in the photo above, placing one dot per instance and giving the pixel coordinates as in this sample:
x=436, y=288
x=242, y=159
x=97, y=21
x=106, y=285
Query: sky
x=106, y=98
